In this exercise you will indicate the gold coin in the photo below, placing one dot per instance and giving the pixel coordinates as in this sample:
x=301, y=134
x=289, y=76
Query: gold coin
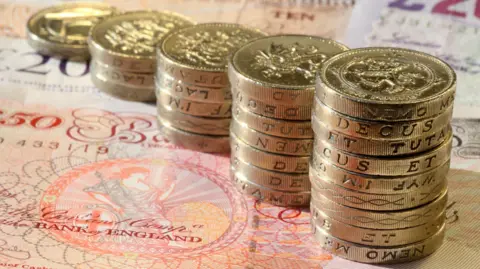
x=377, y=219
x=194, y=108
x=192, y=92
x=375, y=147
x=127, y=41
x=271, y=109
x=386, y=166
x=273, y=144
x=380, y=201
x=374, y=237
x=269, y=179
x=198, y=54
x=271, y=196
x=123, y=77
x=195, y=142
x=282, y=128
x=194, y=124
x=125, y=92
x=322, y=169
x=266, y=160
x=281, y=69
x=386, y=84
x=62, y=30
x=370, y=254
x=378, y=129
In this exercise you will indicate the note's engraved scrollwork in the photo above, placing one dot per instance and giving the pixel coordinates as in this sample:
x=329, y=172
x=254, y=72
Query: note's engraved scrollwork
x=139, y=197
x=209, y=48
x=280, y=60
x=94, y=125
x=466, y=138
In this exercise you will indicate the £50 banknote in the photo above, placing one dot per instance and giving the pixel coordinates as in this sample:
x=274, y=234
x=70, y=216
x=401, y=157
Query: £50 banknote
x=88, y=183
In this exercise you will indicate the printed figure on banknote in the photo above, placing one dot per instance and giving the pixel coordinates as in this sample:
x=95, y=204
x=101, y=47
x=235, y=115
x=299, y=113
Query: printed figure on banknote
x=131, y=194
x=135, y=203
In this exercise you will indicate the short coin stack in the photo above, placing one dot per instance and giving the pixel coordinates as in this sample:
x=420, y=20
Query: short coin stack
x=273, y=81
x=381, y=154
x=194, y=100
x=123, y=52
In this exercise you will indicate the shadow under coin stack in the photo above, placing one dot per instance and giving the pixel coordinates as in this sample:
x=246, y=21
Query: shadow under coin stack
x=123, y=52
x=381, y=154
x=194, y=100
x=273, y=82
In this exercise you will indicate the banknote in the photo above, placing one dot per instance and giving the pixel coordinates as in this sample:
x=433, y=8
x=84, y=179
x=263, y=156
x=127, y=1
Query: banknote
x=21, y=66
x=271, y=16
x=87, y=182
x=94, y=184
x=448, y=29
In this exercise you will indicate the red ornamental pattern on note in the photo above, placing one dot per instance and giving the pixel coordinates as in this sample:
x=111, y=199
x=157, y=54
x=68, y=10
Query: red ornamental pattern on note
x=97, y=125
x=145, y=207
x=285, y=229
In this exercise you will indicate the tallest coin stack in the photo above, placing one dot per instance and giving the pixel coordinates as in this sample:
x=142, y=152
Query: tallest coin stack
x=381, y=154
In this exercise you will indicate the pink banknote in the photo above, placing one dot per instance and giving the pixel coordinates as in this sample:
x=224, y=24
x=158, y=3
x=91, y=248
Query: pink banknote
x=93, y=188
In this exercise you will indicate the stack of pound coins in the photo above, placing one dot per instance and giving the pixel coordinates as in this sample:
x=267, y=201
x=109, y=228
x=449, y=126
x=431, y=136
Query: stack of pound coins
x=273, y=84
x=194, y=100
x=123, y=52
x=62, y=30
x=381, y=154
